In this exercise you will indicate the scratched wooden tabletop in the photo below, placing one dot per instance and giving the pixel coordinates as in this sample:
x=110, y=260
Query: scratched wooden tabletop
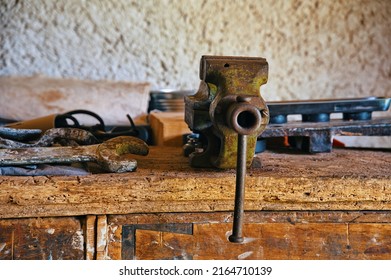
x=345, y=179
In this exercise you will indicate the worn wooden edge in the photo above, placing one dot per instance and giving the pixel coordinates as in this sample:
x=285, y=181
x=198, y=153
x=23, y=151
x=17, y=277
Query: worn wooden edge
x=149, y=195
x=90, y=236
x=164, y=182
x=165, y=207
x=101, y=237
x=293, y=217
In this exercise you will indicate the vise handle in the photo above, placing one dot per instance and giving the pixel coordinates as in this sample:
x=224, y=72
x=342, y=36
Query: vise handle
x=229, y=114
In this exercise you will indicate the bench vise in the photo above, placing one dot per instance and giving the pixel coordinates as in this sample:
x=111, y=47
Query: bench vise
x=228, y=103
x=228, y=113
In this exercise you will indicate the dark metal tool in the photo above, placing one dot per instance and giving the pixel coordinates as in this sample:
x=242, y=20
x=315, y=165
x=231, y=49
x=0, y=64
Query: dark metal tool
x=320, y=110
x=318, y=137
x=19, y=134
x=111, y=155
x=315, y=132
x=69, y=120
x=228, y=113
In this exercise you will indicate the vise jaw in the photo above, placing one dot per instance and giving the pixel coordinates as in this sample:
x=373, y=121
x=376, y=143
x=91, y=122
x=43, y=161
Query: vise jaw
x=228, y=103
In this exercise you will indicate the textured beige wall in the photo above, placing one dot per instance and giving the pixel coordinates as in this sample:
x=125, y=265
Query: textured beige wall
x=316, y=49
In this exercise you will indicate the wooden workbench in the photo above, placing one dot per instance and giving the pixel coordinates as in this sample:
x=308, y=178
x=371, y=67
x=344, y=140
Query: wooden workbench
x=298, y=206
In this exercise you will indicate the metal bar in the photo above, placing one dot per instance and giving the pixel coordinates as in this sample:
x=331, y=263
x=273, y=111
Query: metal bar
x=237, y=234
x=321, y=134
x=320, y=110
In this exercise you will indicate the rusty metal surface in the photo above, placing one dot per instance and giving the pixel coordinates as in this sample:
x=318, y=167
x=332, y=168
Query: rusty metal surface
x=19, y=134
x=228, y=98
x=229, y=113
x=64, y=135
x=237, y=227
x=112, y=155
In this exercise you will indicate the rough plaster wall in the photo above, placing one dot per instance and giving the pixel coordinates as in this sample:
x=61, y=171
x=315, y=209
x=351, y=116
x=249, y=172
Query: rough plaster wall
x=316, y=49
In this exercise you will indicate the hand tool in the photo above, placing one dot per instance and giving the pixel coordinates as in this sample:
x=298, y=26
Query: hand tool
x=320, y=110
x=317, y=137
x=316, y=130
x=69, y=120
x=111, y=155
x=80, y=136
x=228, y=113
x=19, y=134
x=208, y=113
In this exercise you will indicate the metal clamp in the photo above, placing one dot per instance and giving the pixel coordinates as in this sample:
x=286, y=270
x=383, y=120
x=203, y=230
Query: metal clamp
x=228, y=113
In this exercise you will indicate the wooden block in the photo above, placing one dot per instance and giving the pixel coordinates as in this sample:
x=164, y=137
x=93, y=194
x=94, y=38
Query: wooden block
x=168, y=128
x=26, y=98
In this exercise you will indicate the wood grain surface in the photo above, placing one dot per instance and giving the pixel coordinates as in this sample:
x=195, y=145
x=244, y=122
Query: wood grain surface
x=164, y=182
x=46, y=239
x=168, y=128
x=89, y=226
x=269, y=235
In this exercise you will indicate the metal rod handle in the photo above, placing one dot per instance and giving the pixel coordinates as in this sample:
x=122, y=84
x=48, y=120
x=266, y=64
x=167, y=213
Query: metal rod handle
x=237, y=234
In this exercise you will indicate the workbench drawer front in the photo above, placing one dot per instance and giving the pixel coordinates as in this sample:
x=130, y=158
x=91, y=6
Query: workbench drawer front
x=282, y=236
x=41, y=238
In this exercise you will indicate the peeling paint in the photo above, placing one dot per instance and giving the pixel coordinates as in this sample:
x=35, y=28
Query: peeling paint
x=2, y=246
x=90, y=249
x=245, y=255
x=168, y=246
x=101, y=242
x=78, y=240
x=249, y=239
x=112, y=230
x=185, y=256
